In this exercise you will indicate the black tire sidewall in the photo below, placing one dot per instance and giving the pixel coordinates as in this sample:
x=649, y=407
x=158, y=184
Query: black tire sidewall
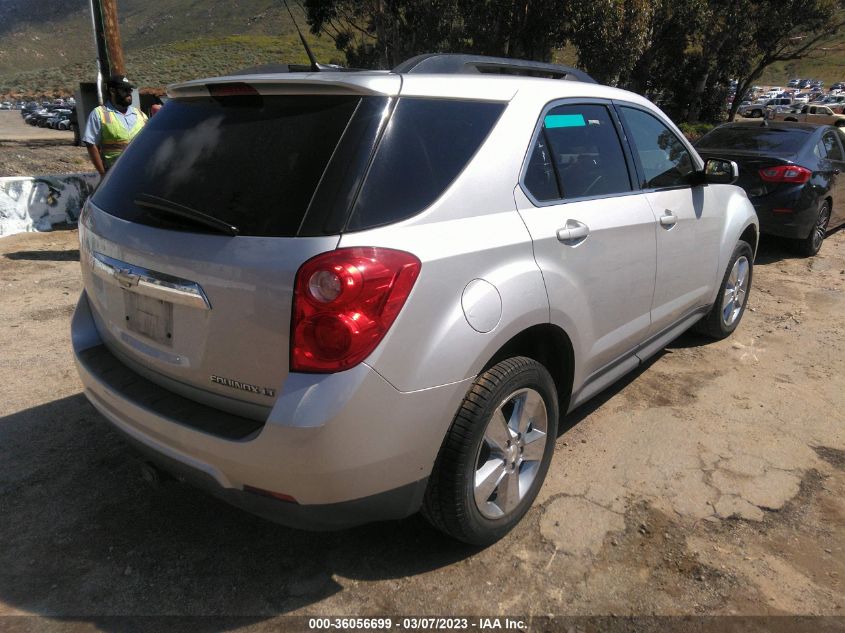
x=534, y=376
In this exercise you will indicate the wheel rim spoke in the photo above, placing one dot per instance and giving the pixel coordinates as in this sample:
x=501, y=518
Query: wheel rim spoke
x=532, y=406
x=497, y=434
x=727, y=311
x=487, y=479
x=535, y=446
x=508, y=496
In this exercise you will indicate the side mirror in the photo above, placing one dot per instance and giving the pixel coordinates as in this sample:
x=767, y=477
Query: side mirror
x=718, y=171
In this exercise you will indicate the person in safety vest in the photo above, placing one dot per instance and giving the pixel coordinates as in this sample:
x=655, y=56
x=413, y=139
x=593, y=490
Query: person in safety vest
x=112, y=125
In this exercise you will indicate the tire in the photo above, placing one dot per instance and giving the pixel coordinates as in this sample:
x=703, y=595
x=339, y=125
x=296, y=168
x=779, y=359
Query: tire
x=812, y=244
x=493, y=448
x=840, y=123
x=724, y=315
x=757, y=114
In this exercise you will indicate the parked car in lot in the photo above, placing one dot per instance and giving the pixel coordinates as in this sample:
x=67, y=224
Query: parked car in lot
x=38, y=117
x=818, y=114
x=60, y=115
x=759, y=108
x=834, y=102
x=391, y=310
x=791, y=173
x=5, y=105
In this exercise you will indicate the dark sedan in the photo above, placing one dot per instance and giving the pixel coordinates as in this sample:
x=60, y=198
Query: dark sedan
x=792, y=173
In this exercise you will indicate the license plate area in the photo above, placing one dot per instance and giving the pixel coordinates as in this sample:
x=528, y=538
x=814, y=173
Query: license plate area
x=152, y=318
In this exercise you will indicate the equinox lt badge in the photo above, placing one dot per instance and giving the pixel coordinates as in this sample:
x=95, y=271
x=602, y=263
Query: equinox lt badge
x=236, y=384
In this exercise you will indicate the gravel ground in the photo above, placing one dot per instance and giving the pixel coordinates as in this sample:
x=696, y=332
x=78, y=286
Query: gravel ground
x=31, y=151
x=711, y=481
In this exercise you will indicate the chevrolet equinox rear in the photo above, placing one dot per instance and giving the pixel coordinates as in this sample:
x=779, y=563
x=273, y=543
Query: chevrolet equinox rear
x=334, y=298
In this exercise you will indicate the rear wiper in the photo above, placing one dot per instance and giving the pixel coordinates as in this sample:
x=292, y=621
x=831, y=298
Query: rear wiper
x=173, y=208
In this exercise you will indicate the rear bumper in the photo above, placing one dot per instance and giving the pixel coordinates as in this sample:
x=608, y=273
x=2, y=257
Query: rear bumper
x=795, y=224
x=348, y=447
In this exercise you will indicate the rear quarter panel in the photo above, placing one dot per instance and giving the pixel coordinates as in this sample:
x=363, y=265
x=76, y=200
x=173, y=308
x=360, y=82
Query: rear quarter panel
x=471, y=232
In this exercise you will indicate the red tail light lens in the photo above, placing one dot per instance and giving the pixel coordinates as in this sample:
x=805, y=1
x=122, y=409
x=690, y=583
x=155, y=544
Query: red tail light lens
x=344, y=303
x=786, y=173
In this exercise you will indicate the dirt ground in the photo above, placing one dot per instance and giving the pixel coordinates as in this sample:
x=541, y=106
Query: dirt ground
x=32, y=151
x=710, y=482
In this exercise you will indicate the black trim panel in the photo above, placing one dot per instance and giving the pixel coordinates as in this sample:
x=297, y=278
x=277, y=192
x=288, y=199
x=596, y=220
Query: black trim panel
x=108, y=369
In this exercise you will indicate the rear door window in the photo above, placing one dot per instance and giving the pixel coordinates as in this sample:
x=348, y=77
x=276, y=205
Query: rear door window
x=251, y=162
x=577, y=154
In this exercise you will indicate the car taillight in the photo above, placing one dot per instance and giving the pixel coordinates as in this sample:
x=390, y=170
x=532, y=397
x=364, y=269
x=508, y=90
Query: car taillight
x=786, y=173
x=344, y=303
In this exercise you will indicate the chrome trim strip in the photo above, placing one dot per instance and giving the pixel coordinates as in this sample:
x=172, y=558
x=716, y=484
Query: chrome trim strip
x=149, y=282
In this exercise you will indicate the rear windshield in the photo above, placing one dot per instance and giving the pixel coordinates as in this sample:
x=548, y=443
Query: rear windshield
x=252, y=162
x=771, y=140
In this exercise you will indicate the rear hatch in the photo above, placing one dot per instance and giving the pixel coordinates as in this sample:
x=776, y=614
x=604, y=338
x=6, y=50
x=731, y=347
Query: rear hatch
x=191, y=244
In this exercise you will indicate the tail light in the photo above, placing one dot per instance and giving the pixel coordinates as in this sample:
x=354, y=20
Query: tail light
x=344, y=303
x=786, y=173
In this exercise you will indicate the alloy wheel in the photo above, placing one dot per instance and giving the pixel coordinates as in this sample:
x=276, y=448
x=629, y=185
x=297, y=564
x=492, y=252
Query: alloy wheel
x=736, y=289
x=820, y=229
x=510, y=453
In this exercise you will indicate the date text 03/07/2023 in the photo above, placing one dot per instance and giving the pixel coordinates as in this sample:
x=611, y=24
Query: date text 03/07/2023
x=418, y=623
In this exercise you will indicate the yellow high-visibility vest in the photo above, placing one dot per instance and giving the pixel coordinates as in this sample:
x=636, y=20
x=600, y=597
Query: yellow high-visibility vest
x=114, y=137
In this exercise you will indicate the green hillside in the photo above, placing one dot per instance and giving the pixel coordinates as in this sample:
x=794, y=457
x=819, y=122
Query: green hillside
x=164, y=41
x=155, y=67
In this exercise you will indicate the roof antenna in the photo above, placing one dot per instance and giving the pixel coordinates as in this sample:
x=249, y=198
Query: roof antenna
x=315, y=67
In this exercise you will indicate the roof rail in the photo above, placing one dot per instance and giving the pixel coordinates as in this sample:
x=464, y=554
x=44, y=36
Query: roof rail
x=451, y=63
x=268, y=69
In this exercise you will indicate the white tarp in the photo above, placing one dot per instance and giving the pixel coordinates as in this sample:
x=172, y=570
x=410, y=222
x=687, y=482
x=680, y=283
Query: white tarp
x=37, y=203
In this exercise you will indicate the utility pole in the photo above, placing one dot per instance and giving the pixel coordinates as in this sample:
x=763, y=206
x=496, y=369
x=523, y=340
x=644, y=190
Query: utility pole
x=107, y=40
x=111, y=30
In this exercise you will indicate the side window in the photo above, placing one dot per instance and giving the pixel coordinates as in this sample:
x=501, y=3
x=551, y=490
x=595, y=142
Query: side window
x=426, y=145
x=664, y=158
x=577, y=154
x=540, y=178
x=831, y=144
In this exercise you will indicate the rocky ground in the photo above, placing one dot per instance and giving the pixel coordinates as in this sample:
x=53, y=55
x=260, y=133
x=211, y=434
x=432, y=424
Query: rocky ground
x=710, y=482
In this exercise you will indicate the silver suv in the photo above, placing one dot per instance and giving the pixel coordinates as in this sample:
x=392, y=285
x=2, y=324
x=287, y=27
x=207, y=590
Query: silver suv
x=333, y=298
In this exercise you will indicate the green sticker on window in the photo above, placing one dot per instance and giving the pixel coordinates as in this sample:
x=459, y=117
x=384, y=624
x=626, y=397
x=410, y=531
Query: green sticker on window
x=564, y=120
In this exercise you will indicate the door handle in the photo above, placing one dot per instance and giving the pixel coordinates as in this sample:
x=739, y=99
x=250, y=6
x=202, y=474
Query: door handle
x=668, y=219
x=572, y=231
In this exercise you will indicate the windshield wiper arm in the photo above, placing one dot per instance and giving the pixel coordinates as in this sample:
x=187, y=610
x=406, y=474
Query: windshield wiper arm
x=174, y=208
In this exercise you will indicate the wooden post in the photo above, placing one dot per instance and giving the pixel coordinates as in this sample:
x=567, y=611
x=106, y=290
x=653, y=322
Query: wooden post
x=111, y=32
